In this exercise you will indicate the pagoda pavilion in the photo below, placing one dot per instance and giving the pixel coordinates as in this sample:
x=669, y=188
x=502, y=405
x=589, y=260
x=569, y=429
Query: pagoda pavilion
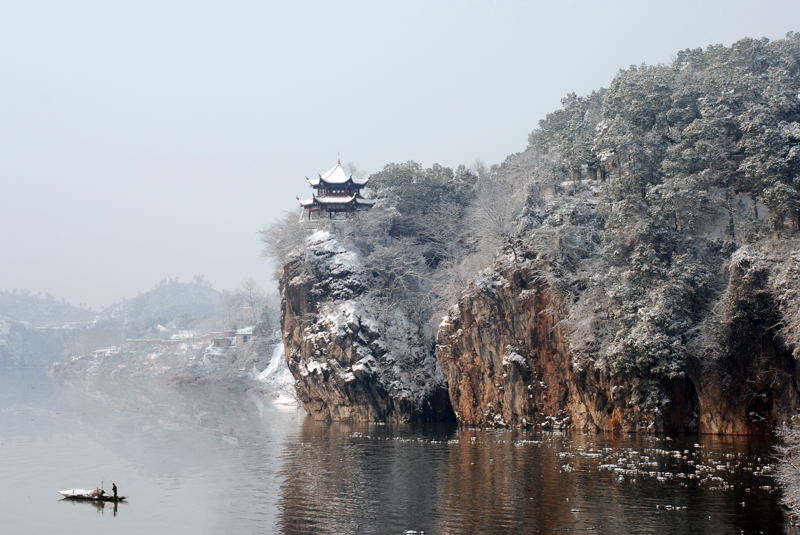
x=336, y=195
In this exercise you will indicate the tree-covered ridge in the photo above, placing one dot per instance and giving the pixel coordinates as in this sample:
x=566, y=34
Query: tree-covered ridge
x=722, y=116
x=195, y=305
x=695, y=159
x=631, y=201
x=170, y=301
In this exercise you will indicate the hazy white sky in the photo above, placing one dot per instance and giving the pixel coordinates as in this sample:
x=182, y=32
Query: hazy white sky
x=149, y=139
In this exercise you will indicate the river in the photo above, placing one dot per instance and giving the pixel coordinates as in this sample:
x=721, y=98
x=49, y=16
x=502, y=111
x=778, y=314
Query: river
x=208, y=461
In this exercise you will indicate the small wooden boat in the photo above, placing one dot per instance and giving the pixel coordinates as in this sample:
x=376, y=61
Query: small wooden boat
x=95, y=495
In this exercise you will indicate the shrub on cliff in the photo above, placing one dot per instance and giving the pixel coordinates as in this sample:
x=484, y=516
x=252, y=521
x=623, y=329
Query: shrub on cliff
x=788, y=474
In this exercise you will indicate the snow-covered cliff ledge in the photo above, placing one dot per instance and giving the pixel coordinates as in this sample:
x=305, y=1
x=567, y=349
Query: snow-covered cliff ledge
x=353, y=356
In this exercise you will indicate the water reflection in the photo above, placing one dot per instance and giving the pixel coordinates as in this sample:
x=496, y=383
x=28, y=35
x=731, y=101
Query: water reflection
x=99, y=507
x=488, y=489
x=208, y=460
x=339, y=480
x=383, y=479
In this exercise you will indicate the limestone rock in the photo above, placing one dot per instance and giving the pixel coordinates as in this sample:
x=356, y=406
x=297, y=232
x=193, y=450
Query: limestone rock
x=505, y=355
x=351, y=358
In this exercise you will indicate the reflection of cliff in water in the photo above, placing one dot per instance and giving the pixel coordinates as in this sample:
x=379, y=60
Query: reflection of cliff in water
x=384, y=479
x=489, y=488
x=340, y=478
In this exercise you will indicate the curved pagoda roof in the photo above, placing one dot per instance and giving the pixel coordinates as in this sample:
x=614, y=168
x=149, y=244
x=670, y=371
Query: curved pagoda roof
x=336, y=175
x=337, y=199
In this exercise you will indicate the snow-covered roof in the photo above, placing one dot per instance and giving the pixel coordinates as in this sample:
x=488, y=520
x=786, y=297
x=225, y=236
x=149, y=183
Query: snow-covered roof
x=336, y=199
x=336, y=175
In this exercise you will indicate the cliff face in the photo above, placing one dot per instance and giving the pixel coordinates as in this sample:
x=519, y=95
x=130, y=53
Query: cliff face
x=506, y=357
x=351, y=357
x=670, y=276
x=754, y=382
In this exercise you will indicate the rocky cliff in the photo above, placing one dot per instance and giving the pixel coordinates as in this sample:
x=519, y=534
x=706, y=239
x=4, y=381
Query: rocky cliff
x=504, y=350
x=751, y=382
x=353, y=357
x=643, y=267
x=505, y=353
x=506, y=356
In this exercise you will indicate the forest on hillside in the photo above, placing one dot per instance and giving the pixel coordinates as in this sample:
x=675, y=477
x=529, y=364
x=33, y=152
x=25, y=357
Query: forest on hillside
x=633, y=200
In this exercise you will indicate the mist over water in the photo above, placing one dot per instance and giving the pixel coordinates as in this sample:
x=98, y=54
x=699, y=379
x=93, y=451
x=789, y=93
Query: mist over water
x=216, y=461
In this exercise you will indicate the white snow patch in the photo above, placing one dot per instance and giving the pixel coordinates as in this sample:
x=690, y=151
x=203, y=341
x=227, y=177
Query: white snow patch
x=274, y=365
x=314, y=366
x=515, y=358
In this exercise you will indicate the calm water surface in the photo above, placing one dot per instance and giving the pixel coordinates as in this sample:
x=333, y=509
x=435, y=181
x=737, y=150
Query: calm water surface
x=209, y=461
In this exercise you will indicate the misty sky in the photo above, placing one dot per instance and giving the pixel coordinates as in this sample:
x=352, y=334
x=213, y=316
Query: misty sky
x=149, y=139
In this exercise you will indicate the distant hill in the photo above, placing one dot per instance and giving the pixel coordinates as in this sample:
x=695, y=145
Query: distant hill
x=41, y=310
x=36, y=329
x=170, y=304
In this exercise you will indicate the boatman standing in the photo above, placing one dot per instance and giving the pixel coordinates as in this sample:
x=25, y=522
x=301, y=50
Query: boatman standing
x=114, y=488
